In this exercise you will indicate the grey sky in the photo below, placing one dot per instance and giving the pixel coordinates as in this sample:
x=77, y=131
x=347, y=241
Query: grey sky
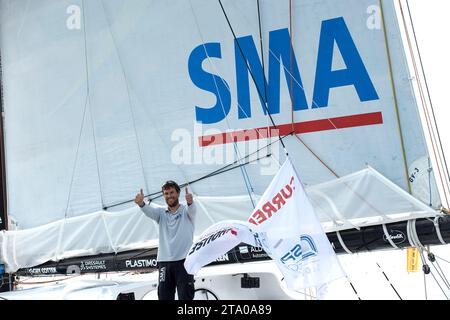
x=431, y=22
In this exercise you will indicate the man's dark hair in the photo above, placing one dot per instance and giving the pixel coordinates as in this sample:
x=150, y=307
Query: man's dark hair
x=171, y=184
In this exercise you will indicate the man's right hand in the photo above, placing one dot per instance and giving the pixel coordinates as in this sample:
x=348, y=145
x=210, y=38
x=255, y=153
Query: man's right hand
x=139, y=199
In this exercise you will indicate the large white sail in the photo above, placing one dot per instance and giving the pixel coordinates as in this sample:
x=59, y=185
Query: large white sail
x=104, y=97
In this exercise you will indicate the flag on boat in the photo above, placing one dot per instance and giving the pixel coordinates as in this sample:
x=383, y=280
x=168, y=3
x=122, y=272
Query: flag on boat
x=215, y=241
x=287, y=228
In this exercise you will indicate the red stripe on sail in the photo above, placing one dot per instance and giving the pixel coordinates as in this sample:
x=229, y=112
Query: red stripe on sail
x=358, y=120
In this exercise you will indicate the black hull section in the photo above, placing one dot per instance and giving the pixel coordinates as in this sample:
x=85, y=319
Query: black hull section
x=366, y=239
x=373, y=238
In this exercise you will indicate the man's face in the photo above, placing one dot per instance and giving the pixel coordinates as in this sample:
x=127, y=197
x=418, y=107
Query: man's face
x=171, y=196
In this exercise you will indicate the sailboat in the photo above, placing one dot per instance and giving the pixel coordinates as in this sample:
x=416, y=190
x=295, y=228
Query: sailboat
x=102, y=98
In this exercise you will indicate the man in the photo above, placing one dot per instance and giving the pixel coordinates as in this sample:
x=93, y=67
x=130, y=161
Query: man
x=176, y=231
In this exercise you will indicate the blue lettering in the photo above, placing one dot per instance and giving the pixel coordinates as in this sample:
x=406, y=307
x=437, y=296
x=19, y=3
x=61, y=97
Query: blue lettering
x=332, y=31
x=209, y=82
x=297, y=251
x=279, y=52
x=355, y=74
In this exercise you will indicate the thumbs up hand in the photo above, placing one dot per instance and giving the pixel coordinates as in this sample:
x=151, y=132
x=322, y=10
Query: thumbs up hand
x=139, y=199
x=189, y=198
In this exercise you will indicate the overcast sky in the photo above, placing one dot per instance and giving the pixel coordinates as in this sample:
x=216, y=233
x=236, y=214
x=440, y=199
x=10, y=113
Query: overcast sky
x=431, y=19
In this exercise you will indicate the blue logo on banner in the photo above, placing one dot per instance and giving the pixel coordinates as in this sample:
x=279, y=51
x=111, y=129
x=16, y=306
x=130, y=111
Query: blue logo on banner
x=305, y=249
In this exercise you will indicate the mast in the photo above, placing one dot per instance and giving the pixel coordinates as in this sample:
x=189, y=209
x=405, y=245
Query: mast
x=6, y=279
x=3, y=204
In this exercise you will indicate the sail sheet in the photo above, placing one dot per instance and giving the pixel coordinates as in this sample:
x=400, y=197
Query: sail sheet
x=102, y=98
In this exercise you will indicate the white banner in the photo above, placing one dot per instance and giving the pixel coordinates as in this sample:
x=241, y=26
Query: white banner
x=288, y=230
x=216, y=241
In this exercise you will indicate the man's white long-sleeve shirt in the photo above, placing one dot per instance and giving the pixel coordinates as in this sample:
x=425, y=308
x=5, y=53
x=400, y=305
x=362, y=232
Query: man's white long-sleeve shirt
x=176, y=230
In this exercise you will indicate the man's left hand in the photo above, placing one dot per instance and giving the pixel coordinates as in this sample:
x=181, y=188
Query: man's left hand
x=189, y=198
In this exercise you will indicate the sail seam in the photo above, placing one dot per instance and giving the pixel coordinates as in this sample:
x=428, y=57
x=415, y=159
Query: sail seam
x=90, y=107
x=130, y=104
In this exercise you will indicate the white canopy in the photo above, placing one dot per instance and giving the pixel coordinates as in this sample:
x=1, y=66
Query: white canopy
x=358, y=200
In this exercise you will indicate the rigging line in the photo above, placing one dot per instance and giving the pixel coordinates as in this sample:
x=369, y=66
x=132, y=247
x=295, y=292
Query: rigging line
x=212, y=64
x=244, y=172
x=291, y=54
x=425, y=285
x=24, y=18
x=130, y=104
x=389, y=281
x=247, y=182
x=437, y=282
x=96, y=154
x=432, y=259
x=442, y=259
x=316, y=156
x=292, y=116
x=90, y=106
x=429, y=181
x=250, y=71
x=239, y=160
x=394, y=94
x=425, y=266
x=83, y=120
x=441, y=274
x=314, y=103
x=246, y=178
x=76, y=157
x=262, y=51
x=427, y=88
x=263, y=64
x=165, y=145
x=424, y=106
x=291, y=50
x=229, y=169
x=256, y=86
x=424, y=274
x=258, y=89
x=431, y=132
x=212, y=174
x=444, y=278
